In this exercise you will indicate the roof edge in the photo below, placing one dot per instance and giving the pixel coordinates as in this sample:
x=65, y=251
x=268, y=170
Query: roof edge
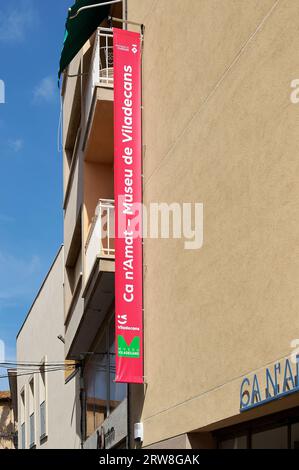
x=40, y=290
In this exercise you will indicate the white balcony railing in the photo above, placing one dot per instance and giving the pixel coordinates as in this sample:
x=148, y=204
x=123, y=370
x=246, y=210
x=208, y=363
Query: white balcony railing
x=101, y=66
x=100, y=241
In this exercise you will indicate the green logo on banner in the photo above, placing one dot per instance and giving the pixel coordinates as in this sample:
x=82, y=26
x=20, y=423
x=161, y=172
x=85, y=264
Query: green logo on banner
x=125, y=350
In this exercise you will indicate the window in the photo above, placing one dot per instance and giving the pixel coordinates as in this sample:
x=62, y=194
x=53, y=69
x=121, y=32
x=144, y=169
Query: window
x=73, y=129
x=295, y=436
x=103, y=395
x=239, y=442
x=73, y=270
x=96, y=388
x=276, y=438
x=42, y=401
x=277, y=431
x=31, y=414
x=22, y=418
x=117, y=391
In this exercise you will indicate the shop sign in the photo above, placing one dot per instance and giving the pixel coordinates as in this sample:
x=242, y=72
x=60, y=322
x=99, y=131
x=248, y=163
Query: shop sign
x=272, y=383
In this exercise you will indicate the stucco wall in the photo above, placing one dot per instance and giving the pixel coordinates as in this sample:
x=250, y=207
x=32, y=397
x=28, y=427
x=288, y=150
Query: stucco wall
x=6, y=426
x=219, y=128
x=38, y=340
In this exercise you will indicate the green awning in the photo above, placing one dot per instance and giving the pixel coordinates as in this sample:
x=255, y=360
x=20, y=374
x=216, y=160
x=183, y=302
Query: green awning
x=80, y=29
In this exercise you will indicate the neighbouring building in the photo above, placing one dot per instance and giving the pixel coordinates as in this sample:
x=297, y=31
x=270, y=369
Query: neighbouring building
x=48, y=389
x=89, y=264
x=7, y=422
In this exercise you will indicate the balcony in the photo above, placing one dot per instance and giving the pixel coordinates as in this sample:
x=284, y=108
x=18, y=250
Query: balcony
x=100, y=241
x=98, y=290
x=101, y=67
x=98, y=139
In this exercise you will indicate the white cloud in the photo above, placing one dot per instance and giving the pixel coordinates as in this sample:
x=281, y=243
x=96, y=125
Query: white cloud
x=16, y=17
x=9, y=354
x=45, y=90
x=16, y=145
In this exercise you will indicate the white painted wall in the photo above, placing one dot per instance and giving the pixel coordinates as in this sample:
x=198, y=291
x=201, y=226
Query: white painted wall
x=37, y=340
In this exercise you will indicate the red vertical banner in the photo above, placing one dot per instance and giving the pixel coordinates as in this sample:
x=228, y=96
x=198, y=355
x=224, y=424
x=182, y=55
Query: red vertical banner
x=128, y=203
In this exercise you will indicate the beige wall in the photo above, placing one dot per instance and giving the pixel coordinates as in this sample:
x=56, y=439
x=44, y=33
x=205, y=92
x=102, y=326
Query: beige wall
x=219, y=128
x=98, y=185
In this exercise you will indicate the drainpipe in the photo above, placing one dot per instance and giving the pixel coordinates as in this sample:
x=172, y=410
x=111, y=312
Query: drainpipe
x=125, y=11
x=128, y=418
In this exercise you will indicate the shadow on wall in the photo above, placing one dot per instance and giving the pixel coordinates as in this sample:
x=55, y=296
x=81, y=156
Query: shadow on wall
x=77, y=419
x=136, y=401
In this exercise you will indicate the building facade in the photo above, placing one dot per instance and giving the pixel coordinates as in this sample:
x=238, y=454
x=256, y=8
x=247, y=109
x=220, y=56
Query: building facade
x=48, y=389
x=7, y=422
x=219, y=128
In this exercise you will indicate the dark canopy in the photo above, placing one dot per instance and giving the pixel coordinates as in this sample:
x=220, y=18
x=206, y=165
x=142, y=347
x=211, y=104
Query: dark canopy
x=79, y=29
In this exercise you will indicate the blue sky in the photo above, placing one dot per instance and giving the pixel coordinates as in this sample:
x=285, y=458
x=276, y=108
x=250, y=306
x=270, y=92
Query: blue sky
x=31, y=36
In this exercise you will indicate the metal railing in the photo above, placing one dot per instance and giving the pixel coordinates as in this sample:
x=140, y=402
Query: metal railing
x=32, y=430
x=101, y=66
x=105, y=51
x=100, y=241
